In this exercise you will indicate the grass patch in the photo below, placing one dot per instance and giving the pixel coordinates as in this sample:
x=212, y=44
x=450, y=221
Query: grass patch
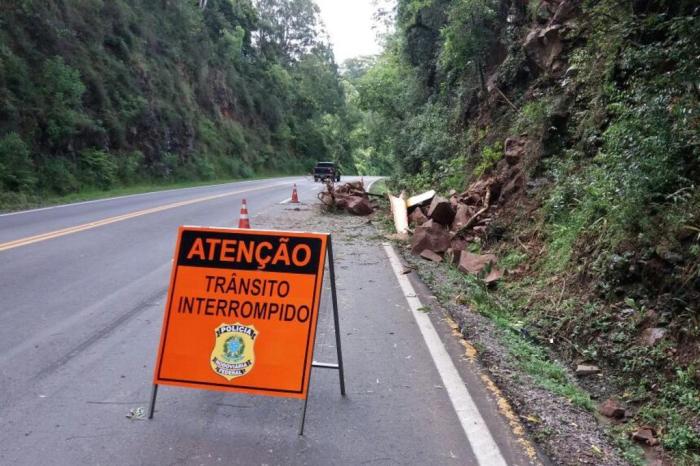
x=530, y=357
x=630, y=450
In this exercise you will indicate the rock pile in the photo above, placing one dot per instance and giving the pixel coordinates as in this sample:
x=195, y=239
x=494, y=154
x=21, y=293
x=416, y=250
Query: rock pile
x=444, y=226
x=350, y=197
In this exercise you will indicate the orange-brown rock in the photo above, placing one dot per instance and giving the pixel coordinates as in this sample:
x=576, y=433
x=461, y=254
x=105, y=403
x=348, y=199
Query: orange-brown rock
x=475, y=263
x=431, y=235
x=441, y=211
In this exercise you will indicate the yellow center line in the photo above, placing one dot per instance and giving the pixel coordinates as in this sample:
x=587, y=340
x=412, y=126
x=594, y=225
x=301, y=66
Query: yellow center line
x=119, y=218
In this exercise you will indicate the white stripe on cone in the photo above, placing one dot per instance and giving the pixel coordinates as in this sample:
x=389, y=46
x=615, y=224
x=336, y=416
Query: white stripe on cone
x=243, y=221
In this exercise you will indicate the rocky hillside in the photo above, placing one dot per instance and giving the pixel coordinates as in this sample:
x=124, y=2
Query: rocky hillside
x=96, y=94
x=572, y=128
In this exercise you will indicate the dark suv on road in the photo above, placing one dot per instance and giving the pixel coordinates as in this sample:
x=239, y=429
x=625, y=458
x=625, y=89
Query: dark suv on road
x=326, y=171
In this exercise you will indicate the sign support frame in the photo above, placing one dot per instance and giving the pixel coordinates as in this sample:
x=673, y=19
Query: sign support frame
x=336, y=324
x=319, y=365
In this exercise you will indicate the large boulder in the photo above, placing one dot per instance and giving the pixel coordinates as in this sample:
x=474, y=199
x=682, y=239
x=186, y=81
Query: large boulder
x=358, y=205
x=544, y=45
x=441, y=211
x=431, y=235
x=475, y=263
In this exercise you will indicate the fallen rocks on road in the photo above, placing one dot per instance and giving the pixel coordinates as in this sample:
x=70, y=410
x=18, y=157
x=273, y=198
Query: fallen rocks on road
x=350, y=197
x=417, y=217
x=462, y=215
x=431, y=235
x=441, y=211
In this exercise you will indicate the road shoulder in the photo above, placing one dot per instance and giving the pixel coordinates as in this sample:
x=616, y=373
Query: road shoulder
x=358, y=235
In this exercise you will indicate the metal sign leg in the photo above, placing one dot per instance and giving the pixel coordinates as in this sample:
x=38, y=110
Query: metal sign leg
x=152, y=406
x=339, y=351
x=336, y=319
x=303, y=415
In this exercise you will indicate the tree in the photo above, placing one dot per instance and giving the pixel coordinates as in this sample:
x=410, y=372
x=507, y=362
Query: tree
x=16, y=168
x=288, y=28
x=468, y=36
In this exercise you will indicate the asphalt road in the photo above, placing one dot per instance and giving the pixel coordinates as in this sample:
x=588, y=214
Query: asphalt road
x=82, y=292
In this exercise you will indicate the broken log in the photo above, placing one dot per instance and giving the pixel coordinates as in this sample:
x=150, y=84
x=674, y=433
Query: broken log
x=400, y=213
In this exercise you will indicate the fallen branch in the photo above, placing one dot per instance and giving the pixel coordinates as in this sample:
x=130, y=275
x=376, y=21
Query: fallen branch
x=475, y=217
x=504, y=96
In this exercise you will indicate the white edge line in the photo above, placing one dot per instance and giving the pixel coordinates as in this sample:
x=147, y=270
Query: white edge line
x=149, y=193
x=482, y=443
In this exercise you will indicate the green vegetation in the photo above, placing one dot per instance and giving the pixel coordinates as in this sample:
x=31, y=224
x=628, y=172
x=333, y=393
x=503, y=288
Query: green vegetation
x=100, y=95
x=530, y=357
x=609, y=209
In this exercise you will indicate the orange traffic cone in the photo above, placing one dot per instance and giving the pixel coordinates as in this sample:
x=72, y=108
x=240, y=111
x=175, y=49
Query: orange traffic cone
x=295, y=196
x=243, y=221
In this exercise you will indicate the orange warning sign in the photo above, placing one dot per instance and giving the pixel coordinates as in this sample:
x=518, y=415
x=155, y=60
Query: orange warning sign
x=242, y=310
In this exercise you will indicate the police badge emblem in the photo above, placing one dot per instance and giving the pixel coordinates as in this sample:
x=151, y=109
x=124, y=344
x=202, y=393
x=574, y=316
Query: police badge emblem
x=234, y=350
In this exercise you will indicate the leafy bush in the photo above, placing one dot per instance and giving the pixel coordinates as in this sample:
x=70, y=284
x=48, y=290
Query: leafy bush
x=16, y=166
x=58, y=176
x=164, y=167
x=97, y=169
x=451, y=173
x=532, y=116
x=426, y=137
x=490, y=155
x=641, y=165
x=130, y=167
x=61, y=92
x=204, y=168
